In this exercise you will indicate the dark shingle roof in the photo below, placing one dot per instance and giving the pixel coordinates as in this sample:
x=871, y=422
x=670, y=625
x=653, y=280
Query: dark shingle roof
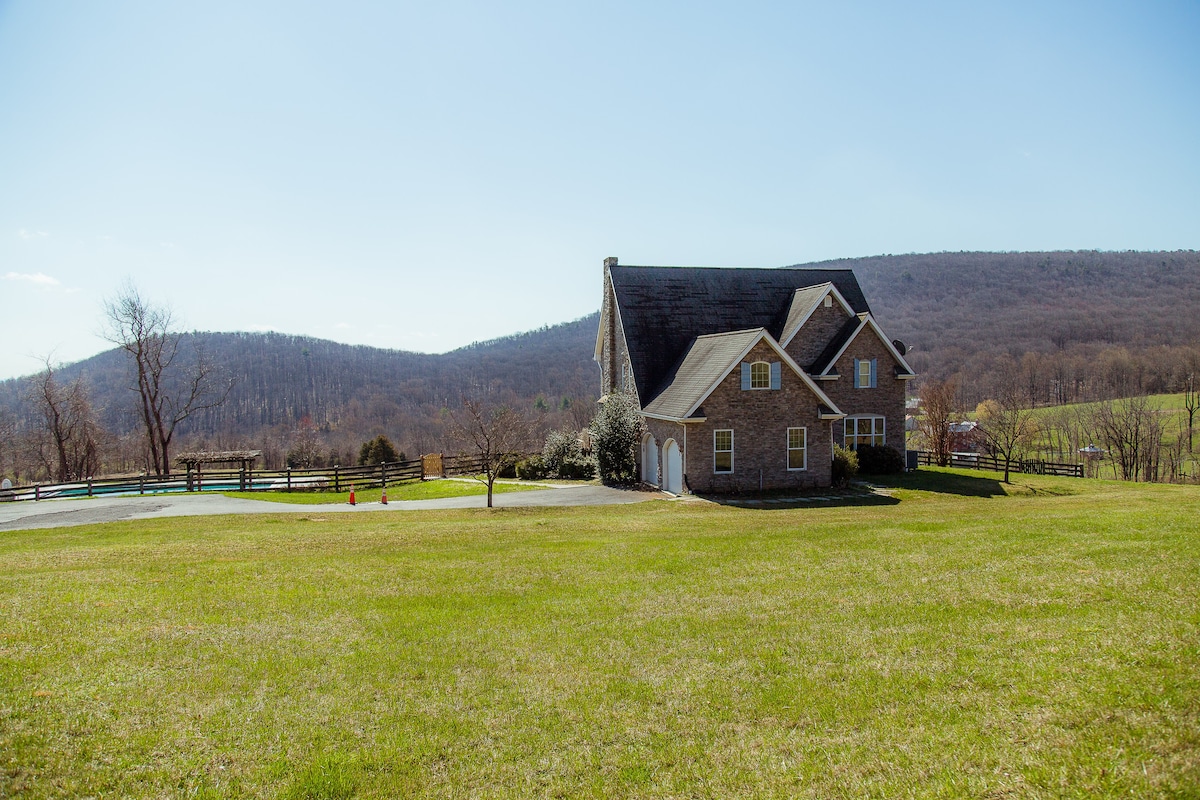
x=664, y=309
x=707, y=360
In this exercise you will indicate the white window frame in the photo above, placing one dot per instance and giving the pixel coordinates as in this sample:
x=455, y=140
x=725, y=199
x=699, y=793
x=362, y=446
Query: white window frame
x=803, y=450
x=860, y=380
x=877, y=432
x=717, y=451
x=764, y=373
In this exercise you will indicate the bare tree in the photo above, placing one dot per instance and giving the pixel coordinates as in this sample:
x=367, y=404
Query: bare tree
x=1191, y=401
x=1007, y=424
x=938, y=405
x=498, y=435
x=169, y=390
x=71, y=450
x=579, y=412
x=1131, y=432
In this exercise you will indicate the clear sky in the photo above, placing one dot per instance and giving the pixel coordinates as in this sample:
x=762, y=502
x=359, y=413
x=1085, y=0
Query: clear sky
x=423, y=175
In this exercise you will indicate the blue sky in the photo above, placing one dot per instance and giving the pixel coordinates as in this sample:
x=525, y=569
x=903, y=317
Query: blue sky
x=424, y=175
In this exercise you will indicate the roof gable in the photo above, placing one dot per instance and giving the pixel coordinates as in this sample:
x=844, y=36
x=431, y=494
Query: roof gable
x=849, y=332
x=804, y=302
x=663, y=310
x=708, y=362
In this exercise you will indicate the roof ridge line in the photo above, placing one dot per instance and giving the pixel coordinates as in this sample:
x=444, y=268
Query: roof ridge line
x=733, y=333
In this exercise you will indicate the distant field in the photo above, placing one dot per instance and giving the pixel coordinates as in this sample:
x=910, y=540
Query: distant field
x=1057, y=422
x=960, y=638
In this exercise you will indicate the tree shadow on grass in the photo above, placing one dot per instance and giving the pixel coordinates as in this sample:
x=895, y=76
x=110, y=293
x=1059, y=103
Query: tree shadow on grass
x=944, y=483
x=783, y=500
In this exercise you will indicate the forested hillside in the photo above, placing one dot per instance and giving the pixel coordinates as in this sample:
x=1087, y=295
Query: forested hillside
x=328, y=397
x=1079, y=325
x=1069, y=325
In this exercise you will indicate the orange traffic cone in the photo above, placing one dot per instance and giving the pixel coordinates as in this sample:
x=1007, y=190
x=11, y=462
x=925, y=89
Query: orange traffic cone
x=383, y=499
x=352, y=496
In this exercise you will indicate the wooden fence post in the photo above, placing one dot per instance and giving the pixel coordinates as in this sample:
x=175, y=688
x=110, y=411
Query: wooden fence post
x=336, y=485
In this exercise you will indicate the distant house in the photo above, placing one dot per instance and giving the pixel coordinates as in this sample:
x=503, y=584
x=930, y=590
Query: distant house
x=965, y=437
x=745, y=378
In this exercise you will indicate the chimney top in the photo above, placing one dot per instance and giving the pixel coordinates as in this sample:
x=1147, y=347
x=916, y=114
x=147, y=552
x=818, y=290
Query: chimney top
x=611, y=261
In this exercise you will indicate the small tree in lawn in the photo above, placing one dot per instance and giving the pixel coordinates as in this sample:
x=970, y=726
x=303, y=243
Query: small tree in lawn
x=616, y=432
x=499, y=436
x=1008, y=425
x=938, y=406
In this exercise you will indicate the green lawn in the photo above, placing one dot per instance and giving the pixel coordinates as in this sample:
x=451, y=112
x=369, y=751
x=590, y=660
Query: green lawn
x=965, y=639
x=412, y=490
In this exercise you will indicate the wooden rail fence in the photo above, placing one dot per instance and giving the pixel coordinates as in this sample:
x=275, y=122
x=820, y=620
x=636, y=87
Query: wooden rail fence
x=1026, y=466
x=336, y=478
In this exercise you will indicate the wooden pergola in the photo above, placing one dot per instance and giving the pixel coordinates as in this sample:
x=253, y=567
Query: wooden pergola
x=244, y=459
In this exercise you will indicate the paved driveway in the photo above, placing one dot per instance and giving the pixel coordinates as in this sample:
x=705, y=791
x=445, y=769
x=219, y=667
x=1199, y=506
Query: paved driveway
x=86, y=511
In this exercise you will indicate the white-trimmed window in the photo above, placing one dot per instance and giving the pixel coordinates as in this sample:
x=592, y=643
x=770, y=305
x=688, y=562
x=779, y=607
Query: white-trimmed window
x=864, y=373
x=723, y=451
x=797, y=448
x=864, y=430
x=760, y=375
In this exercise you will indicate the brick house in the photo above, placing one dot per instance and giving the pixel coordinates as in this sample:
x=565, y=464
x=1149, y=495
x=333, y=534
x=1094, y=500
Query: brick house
x=745, y=378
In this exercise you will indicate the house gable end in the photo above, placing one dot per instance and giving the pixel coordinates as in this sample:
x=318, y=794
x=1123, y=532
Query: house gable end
x=826, y=365
x=808, y=302
x=710, y=361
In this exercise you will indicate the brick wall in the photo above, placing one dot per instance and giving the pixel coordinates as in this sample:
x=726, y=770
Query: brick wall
x=759, y=420
x=816, y=333
x=886, y=400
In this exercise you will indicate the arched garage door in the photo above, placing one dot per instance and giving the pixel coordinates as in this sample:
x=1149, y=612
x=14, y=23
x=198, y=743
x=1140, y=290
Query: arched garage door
x=649, y=460
x=672, y=467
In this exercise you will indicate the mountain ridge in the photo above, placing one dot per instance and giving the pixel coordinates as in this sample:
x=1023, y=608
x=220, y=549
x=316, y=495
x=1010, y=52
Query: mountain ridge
x=1073, y=324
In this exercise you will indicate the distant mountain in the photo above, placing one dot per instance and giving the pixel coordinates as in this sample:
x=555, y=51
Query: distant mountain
x=347, y=394
x=1070, y=325
x=1073, y=325
x=1041, y=302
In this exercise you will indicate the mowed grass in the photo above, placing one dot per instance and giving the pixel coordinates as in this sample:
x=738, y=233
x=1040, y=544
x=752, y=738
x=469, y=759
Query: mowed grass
x=411, y=490
x=970, y=640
